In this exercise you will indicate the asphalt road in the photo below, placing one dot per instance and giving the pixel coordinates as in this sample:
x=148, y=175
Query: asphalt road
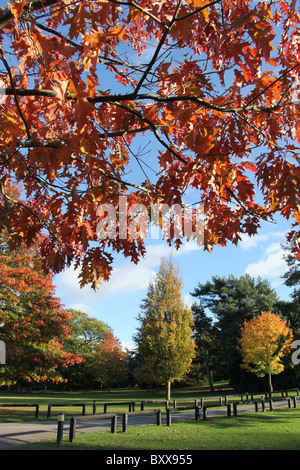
x=12, y=434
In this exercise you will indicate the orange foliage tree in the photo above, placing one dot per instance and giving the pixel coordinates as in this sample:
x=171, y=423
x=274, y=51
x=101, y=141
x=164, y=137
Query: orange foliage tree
x=33, y=323
x=212, y=84
x=109, y=362
x=264, y=341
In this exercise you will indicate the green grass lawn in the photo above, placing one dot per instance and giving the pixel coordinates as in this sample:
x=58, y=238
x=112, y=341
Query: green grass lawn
x=271, y=430
x=274, y=430
x=101, y=397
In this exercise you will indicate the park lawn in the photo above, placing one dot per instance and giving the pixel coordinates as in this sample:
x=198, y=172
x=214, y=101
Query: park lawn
x=101, y=397
x=271, y=430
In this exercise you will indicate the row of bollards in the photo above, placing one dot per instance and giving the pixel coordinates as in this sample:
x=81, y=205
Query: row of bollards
x=233, y=410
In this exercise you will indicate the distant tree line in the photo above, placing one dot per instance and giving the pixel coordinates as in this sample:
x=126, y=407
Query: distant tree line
x=52, y=347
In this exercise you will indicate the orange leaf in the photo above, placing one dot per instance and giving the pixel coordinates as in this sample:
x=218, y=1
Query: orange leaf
x=17, y=8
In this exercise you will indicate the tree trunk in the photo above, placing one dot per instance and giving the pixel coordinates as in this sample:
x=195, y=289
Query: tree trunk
x=211, y=386
x=168, y=391
x=270, y=382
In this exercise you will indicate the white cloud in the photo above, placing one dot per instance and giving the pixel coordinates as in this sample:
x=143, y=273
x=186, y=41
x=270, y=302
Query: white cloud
x=272, y=264
x=127, y=277
x=128, y=345
x=188, y=300
x=82, y=307
x=255, y=241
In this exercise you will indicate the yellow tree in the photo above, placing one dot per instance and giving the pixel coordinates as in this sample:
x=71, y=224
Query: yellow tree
x=164, y=338
x=264, y=341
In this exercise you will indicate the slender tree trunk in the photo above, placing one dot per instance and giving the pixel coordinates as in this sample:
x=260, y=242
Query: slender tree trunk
x=168, y=391
x=270, y=382
x=211, y=386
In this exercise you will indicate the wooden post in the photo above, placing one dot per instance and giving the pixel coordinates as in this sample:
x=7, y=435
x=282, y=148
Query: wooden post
x=72, y=431
x=114, y=424
x=158, y=418
x=124, y=422
x=271, y=404
x=60, y=428
x=168, y=417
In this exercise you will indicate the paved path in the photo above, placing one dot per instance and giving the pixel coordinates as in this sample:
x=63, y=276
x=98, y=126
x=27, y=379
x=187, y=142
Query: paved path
x=12, y=434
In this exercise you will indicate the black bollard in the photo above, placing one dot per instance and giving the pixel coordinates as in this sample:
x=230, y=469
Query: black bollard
x=60, y=428
x=204, y=412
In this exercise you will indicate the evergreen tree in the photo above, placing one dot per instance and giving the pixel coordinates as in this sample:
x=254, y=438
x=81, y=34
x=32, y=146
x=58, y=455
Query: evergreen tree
x=231, y=301
x=292, y=276
x=164, y=338
x=290, y=309
x=203, y=336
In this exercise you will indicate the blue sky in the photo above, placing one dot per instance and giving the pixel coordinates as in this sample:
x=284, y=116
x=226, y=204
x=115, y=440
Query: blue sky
x=117, y=302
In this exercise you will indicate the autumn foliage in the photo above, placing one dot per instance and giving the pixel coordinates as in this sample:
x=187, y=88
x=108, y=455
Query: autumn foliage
x=165, y=337
x=109, y=362
x=33, y=323
x=264, y=341
x=86, y=85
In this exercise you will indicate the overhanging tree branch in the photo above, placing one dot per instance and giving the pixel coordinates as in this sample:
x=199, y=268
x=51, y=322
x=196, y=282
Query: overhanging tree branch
x=7, y=17
x=107, y=98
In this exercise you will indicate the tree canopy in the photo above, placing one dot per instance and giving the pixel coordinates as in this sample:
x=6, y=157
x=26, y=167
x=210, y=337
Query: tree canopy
x=264, y=341
x=213, y=85
x=164, y=338
x=109, y=362
x=33, y=323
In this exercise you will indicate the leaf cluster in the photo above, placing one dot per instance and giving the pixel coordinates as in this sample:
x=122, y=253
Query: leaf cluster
x=212, y=85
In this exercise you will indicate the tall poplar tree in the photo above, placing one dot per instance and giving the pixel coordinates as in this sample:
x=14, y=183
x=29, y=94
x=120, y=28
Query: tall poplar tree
x=164, y=338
